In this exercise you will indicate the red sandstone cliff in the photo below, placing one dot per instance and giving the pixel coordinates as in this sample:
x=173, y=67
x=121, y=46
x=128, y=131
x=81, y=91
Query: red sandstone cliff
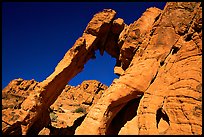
x=159, y=90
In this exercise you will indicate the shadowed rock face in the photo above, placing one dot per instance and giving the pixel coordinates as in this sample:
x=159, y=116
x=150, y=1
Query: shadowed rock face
x=159, y=60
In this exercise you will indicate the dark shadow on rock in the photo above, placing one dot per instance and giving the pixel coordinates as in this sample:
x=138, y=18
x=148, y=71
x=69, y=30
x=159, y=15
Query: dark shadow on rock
x=68, y=130
x=127, y=113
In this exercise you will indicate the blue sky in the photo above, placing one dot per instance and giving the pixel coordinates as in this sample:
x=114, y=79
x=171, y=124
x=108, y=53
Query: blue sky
x=36, y=36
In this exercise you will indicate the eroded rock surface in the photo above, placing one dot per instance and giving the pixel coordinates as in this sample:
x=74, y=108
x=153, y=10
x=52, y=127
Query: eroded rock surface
x=73, y=104
x=65, y=114
x=159, y=91
x=13, y=96
x=173, y=100
x=158, y=65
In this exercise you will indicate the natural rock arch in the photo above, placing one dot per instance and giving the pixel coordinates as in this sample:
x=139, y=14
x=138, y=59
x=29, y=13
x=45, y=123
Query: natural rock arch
x=102, y=33
x=148, y=53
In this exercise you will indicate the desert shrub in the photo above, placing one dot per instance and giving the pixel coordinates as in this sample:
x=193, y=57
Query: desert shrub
x=53, y=117
x=80, y=109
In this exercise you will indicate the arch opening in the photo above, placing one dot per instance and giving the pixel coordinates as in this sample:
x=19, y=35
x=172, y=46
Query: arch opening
x=100, y=68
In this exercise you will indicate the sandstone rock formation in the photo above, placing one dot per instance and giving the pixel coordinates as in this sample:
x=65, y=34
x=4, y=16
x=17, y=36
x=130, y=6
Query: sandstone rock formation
x=72, y=105
x=156, y=68
x=159, y=90
x=65, y=114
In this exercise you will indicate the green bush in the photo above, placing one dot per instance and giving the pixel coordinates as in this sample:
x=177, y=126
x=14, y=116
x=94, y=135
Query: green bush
x=80, y=109
x=53, y=117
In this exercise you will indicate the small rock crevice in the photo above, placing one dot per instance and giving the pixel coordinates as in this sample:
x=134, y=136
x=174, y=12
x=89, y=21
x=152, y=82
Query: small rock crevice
x=162, y=120
x=153, y=79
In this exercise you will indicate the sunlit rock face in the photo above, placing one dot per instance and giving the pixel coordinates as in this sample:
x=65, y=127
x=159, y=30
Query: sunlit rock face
x=64, y=115
x=159, y=89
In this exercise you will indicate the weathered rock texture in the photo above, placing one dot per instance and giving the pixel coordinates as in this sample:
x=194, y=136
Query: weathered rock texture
x=72, y=105
x=159, y=91
x=65, y=114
